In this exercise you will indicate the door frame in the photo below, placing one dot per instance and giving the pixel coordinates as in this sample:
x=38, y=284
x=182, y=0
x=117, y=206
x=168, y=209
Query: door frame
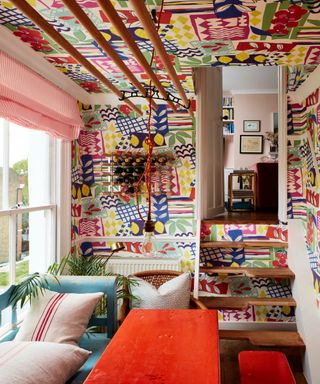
x=282, y=145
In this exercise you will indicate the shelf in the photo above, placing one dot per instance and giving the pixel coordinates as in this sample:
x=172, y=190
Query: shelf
x=274, y=273
x=242, y=194
x=243, y=244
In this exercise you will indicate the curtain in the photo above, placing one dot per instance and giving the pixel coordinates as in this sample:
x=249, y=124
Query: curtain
x=29, y=100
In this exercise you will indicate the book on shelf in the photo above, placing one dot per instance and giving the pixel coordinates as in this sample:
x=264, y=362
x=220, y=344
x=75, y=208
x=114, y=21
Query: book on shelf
x=228, y=128
x=227, y=101
x=227, y=114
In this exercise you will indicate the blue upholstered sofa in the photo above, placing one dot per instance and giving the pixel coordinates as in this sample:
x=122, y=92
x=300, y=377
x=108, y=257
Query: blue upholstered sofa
x=95, y=342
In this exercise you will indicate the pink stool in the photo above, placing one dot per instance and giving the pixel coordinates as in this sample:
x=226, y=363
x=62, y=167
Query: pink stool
x=264, y=367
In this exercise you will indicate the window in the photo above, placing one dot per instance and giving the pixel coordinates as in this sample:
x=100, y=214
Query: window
x=27, y=202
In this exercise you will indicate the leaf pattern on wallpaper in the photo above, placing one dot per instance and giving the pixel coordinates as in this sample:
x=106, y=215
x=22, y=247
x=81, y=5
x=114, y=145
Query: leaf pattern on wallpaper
x=160, y=120
x=179, y=226
x=179, y=136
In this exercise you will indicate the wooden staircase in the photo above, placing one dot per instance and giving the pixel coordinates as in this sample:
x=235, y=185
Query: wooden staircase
x=240, y=303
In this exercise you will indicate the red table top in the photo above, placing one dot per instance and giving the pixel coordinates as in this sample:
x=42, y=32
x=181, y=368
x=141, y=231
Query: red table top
x=174, y=346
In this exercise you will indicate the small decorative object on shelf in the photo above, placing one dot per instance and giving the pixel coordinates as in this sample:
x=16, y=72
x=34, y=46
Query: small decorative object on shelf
x=122, y=172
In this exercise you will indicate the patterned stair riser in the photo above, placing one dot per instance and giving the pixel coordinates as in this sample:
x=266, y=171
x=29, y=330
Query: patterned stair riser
x=243, y=286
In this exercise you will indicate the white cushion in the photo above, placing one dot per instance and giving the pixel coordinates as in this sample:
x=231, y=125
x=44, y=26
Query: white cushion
x=34, y=363
x=175, y=293
x=58, y=317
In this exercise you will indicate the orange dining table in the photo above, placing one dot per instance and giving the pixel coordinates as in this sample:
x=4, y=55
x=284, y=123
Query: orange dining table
x=162, y=346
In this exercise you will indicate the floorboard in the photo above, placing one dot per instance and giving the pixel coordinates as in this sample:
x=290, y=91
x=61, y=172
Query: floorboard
x=250, y=217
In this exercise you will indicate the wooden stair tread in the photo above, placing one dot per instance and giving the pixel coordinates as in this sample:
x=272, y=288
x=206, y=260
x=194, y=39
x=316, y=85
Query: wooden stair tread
x=280, y=273
x=243, y=244
x=252, y=217
x=265, y=338
x=241, y=303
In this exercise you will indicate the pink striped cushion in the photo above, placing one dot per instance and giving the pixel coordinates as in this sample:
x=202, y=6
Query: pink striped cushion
x=39, y=363
x=58, y=317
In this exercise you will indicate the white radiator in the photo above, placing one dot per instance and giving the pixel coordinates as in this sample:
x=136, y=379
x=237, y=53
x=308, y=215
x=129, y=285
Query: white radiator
x=128, y=266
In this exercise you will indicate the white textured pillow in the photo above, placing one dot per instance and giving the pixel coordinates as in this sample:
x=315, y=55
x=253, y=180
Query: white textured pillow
x=58, y=317
x=34, y=363
x=175, y=293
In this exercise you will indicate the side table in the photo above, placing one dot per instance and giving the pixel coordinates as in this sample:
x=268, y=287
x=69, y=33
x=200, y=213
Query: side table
x=246, y=190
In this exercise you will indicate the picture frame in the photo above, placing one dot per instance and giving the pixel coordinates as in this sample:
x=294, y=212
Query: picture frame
x=251, y=125
x=251, y=144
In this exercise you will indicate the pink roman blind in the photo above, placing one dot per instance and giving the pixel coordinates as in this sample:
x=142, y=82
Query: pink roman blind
x=29, y=100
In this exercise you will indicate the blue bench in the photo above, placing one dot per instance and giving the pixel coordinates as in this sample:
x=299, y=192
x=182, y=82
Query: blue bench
x=95, y=342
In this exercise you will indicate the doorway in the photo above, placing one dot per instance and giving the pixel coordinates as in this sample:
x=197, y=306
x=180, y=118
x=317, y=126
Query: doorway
x=249, y=133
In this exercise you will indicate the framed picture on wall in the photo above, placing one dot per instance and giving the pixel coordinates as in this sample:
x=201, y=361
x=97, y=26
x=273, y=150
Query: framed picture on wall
x=251, y=144
x=251, y=125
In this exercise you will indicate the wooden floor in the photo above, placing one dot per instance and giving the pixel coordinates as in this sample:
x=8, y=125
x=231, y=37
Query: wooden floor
x=229, y=350
x=246, y=217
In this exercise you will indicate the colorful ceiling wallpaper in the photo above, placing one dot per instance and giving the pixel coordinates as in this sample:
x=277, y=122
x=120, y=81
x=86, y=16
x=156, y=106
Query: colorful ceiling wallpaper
x=194, y=33
x=101, y=215
x=304, y=176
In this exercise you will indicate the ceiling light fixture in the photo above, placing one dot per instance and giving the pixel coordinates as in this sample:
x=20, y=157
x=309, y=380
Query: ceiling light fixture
x=148, y=245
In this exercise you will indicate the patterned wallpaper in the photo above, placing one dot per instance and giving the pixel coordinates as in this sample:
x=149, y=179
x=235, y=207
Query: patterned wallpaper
x=99, y=215
x=303, y=175
x=197, y=33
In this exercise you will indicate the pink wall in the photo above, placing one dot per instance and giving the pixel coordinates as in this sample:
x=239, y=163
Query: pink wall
x=250, y=107
x=228, y=151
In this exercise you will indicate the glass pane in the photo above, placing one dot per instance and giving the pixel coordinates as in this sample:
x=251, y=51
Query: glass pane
x=38, y=241
x=29, y=165
x=22, y=243
x=6, y=316
x=4, y=252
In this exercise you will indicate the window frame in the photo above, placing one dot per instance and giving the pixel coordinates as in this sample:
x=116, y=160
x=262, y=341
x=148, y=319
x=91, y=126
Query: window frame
x=13, y=212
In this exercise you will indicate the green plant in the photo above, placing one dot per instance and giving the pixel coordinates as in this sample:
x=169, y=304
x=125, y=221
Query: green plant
x=34, y=284
x=272, y=137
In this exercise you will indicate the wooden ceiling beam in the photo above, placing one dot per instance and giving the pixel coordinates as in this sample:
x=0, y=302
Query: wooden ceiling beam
x=116, y=21
x=85, y=21
x=33, y=15
x=150, y=28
